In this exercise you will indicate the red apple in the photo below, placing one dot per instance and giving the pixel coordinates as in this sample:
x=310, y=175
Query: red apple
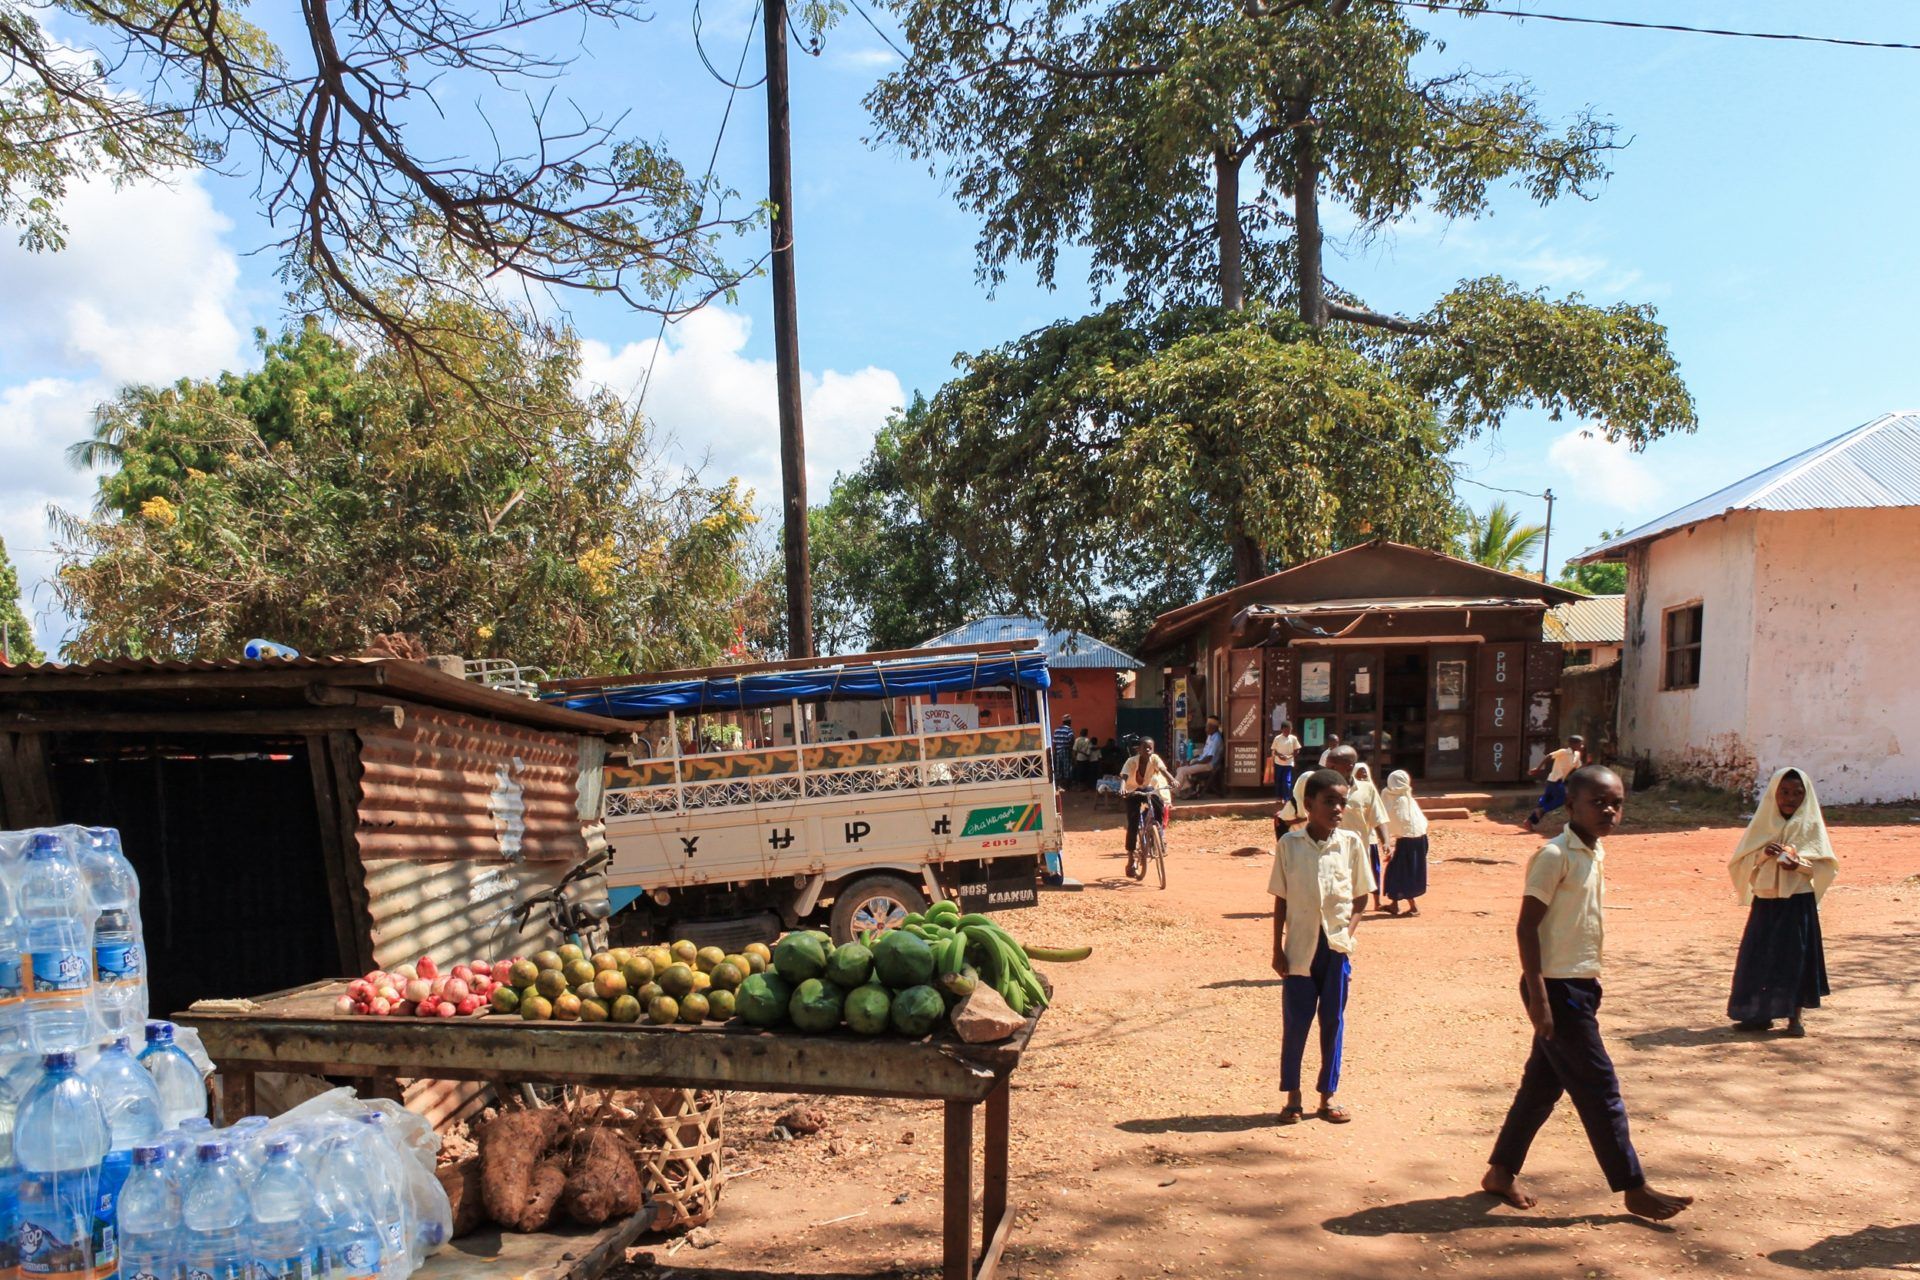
x=380, y=1007
x=426, y=968
x=456, y=990
x=344, y=1005
x=445, y=1010
x=482, y=967
x=466, y=1005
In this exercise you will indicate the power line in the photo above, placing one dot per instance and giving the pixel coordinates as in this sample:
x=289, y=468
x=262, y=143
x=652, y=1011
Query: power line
x=644, y=383
x=862, y=11
x=1518, y=493
x=1789, y=36
x=714, y=71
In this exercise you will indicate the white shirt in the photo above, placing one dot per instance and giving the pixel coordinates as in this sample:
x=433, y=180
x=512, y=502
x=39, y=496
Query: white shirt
x=1364, y=812
x=1285, y=745
x=1565, y=761
x=1570, y=878
x=1319, y=879
x=1152, y=778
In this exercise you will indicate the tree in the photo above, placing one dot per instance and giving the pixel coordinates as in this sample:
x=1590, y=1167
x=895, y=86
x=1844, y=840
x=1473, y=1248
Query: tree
x=346, y=130
x=883, y=576
x=1607, y=579
x=1499, y=540
x=17, y=635
x=1135, y=128
x=329, y=497
x=1090, y=469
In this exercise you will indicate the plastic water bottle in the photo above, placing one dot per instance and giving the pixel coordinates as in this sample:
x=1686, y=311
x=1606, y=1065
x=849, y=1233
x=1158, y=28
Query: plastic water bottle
x=183, y=1095
x=58, y=972
x=149, y=1219
x=59, y=1139
x=9, y=1180
x=216, y=1218
x=246, y=1136
x=183, y=1144
x=391, y=1208
x=131, y=1103
x=285, y=1214
x=13, y=986
x=351, y=1240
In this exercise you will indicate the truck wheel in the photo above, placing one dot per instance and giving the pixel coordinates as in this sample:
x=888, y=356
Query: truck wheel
x=873, y=903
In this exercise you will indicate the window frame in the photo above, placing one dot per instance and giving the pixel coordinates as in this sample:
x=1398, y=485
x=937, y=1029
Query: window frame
x=1669, y=649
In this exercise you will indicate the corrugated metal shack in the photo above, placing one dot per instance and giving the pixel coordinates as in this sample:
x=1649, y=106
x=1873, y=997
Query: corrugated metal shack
x=293, y=820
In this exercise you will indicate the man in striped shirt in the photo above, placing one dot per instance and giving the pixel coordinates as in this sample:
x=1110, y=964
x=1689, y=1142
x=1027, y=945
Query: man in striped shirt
x=1063, y=751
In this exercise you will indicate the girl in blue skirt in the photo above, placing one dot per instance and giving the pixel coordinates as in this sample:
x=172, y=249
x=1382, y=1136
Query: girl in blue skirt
x=1782, y=867
x=1406, y=878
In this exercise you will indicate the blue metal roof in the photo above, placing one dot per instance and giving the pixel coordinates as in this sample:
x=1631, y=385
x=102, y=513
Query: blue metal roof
x=1876, y=464
x=1062, y=648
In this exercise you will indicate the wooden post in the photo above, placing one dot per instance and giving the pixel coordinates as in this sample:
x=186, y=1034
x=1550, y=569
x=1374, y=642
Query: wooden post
x=956, y=1215
x=786, y=339
x=993, y=1199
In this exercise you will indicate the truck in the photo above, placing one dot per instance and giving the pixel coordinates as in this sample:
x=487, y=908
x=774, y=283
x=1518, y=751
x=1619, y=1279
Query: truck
x=839, y=792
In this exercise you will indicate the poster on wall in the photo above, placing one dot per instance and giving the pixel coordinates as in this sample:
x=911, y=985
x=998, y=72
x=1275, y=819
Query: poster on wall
x=1449, y=684
x=1316, y=682
x=1313, y=732
x=1179, y=710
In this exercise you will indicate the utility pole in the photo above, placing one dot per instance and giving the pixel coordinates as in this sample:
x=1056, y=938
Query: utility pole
x=786, y=338
x=1546, y=542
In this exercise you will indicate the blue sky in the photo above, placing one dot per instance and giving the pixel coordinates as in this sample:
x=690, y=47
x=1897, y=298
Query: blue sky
x=1765, y=206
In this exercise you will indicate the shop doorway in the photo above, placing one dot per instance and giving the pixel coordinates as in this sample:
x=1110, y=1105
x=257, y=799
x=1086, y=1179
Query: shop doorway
x=1403, y=711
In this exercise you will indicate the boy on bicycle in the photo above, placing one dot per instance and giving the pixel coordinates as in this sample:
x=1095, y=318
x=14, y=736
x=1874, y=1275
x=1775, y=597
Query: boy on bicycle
x=1144, y=782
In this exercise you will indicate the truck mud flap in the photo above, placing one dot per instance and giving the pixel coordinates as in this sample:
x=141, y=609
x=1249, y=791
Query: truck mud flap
x=993, y=884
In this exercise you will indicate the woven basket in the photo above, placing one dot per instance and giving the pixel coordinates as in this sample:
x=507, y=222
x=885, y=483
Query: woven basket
x=677, y=1145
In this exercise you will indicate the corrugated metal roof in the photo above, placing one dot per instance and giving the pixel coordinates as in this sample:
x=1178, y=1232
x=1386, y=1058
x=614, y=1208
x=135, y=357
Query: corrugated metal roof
x=1599, y=620
x=1392, y=602
x=1877, y=464
x=1062, y=648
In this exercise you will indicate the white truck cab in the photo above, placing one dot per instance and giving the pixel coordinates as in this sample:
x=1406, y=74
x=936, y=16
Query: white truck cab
x=747, y=805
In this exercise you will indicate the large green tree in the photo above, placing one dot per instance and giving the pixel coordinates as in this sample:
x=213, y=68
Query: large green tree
x=1189, y=148
x=18, y=636
x=330, y=496
x=1500, y=539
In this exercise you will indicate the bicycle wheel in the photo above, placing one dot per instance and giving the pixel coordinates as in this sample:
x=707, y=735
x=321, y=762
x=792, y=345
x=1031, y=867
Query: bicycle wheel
x=1160, y=856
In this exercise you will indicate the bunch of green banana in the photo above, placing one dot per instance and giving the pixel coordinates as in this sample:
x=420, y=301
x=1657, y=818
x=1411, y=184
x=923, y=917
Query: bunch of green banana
x=969, y=948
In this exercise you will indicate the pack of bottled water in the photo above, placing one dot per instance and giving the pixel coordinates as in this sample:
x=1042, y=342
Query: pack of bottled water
x=108, y=1162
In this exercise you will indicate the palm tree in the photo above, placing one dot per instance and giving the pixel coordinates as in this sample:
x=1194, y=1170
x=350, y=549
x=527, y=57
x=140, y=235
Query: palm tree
x=1498, y=539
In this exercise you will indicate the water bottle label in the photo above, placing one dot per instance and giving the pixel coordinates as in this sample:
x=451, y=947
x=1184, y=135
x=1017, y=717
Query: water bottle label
x=297, y=1267
x=58, y=973
x=356, y=1260
x=56, y=1225
x=221, y=1269
x=10, y=984
x=118, y=964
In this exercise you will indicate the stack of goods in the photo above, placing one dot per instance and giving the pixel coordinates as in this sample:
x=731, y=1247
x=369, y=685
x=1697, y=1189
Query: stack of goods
x=108, y=1162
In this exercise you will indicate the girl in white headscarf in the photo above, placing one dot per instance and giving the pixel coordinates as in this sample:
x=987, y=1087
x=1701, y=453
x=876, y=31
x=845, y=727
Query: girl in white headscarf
x=1782, y=866
x=1406, y=876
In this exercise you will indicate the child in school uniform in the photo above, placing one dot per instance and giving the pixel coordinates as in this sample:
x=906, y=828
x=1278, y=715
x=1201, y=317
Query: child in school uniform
x=1406, y=878
x=1558, y=767
x=1320, y=884
x=1561, y=937
x=1782, y=866
x=1365, y=816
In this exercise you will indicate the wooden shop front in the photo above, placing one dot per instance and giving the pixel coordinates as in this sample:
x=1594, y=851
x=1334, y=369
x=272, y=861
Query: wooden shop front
x=1420, y=661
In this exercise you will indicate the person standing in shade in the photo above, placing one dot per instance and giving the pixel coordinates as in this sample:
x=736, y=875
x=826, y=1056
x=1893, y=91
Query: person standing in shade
x=1063, y=751
x=1561, y=935
x=1285, y=747
x=1782, y=866
x=1406, y=878
x=1320, y=882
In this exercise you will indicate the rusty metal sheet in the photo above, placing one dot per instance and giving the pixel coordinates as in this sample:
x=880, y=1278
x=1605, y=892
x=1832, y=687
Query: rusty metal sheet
x=452, y=909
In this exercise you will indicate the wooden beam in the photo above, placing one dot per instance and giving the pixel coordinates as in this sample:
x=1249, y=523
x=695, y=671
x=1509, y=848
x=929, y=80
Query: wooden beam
x=788, y=664
x=370, y=675
x=290, y=721
x=343, y=756
x=348, y=932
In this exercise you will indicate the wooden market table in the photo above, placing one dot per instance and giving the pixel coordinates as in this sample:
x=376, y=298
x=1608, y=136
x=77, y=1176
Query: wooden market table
x=298, y=1032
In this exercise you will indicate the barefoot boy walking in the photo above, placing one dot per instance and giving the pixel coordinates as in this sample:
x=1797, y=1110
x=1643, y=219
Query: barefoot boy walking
x=1320, y=885
x=1560, y=935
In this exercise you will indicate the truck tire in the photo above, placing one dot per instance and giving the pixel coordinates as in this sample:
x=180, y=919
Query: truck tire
x=872, y=903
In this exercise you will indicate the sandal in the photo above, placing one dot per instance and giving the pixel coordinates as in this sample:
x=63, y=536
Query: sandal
x=1292, y=1115
x=1798, y=1030
x=1334, y=1113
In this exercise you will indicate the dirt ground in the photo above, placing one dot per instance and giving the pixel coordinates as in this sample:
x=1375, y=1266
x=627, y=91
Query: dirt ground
x=1144, y=1136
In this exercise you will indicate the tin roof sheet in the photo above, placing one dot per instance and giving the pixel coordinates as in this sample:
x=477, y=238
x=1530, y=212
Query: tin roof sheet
x=1063, y=649
x=1597, y=620
x=1877, y=464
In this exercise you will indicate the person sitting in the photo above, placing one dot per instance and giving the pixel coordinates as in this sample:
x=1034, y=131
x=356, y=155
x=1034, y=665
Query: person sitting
x=1188, y=778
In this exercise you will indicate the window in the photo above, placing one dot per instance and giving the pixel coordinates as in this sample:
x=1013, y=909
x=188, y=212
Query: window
x=1682, y=645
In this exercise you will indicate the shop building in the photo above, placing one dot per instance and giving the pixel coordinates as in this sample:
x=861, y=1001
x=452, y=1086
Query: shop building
x=1422, y=661
x=1089, y=675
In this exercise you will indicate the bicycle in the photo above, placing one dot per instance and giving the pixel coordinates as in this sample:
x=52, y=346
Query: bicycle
x=581, y=920
x=1151, y=842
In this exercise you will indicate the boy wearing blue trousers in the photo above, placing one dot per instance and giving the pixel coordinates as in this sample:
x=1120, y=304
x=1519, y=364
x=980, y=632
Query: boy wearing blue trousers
x=1320, y=883
x=1561, y=933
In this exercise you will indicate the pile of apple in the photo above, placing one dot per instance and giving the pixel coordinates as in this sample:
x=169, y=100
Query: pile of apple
x=420, y=990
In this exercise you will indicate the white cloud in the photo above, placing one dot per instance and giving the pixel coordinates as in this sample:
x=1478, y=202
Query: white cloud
x=715, y=404
x=869, y=59
x=1610, y=476
x=145, y=291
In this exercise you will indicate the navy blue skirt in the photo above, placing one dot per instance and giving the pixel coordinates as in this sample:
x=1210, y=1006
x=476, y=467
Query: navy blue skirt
x=1783, y=962
x=1407, y=873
